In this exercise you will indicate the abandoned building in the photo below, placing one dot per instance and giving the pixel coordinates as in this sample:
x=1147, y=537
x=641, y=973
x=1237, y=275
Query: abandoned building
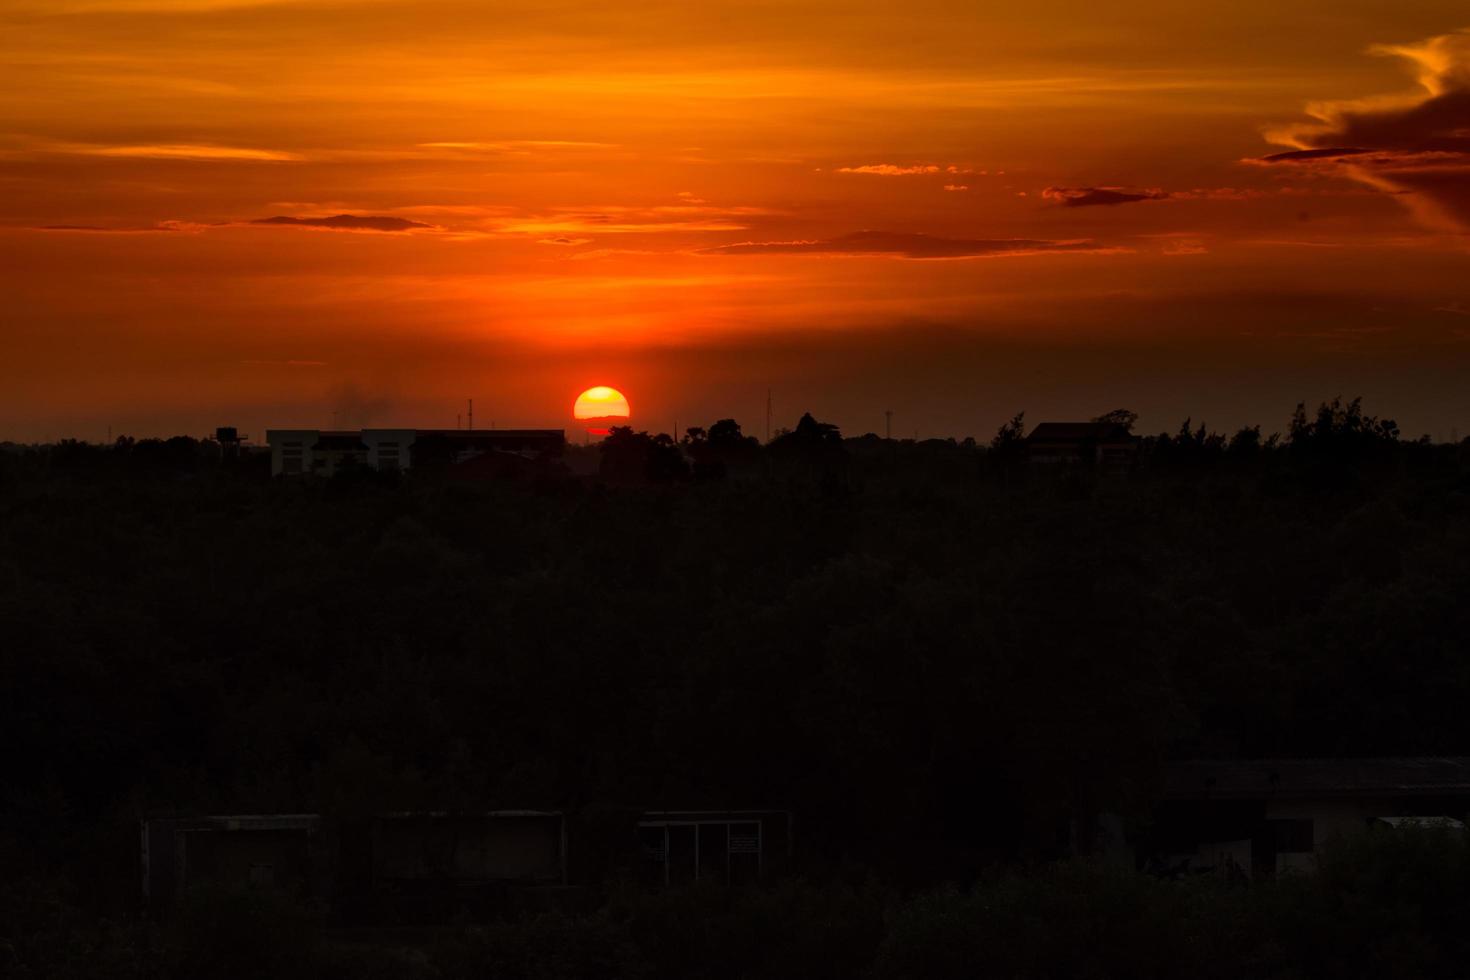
x=390, y=855
x=317, y=452
x=434, y=862
x=725, y=846
x=1261, y=818
x=1100, y=443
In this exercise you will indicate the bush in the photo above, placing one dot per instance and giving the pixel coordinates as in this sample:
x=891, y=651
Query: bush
x=242, y=934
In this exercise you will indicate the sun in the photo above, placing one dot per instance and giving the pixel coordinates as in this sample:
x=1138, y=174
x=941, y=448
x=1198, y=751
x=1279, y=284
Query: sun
x=601, y=403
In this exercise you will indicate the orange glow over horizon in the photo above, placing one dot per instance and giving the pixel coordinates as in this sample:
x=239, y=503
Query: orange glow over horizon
x=280, y=212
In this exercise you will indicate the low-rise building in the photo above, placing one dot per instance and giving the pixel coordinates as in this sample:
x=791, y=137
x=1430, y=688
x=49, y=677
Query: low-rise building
x=1268, y=816
x=388, y=856
x=1097, y=443
x=279, y=851
x=726, y=846
x=426, y=865
x=319, y=452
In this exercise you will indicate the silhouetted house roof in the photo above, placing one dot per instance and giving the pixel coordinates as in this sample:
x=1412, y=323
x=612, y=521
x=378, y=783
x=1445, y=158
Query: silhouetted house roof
x=1316, y=778
x=1048, y=432
x=1102, y=442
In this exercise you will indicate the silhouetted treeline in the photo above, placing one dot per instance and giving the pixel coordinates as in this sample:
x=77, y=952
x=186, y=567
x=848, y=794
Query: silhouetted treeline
x=936, y=654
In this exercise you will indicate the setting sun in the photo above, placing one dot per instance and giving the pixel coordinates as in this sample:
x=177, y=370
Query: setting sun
x=601, y=402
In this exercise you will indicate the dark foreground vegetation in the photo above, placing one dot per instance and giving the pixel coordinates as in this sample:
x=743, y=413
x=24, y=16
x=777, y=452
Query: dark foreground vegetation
x=941, y=658
x=1390, y=906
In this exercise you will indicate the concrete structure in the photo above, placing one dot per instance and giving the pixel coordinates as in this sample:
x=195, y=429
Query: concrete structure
x=318, y=452
x=727, y=846
x=387, y=855
x=1275, y=815
x=275, y=851
x=526, y=846
x=1099, y=443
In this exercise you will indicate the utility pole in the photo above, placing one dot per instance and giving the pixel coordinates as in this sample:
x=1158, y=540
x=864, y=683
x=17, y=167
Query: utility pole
x=888, y=424
x=471, y=416
x=768, y=415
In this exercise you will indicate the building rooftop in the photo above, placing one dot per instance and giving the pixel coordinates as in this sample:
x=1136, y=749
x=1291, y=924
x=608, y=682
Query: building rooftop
x=1263, y=778
x=1079, y=431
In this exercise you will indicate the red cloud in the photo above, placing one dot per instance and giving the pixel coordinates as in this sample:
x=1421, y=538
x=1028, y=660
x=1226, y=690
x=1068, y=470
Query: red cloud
x=1417, y=146
x=1083, y=197
x=908, y=245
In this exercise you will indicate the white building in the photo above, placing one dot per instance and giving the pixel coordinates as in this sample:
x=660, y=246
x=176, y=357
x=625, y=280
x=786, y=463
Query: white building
x=319, y=452
x=1267, y=816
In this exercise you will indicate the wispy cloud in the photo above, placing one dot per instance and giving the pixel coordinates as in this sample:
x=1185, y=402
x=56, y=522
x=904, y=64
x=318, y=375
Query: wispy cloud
x=1416, y=145
x=1086, y=197
x=907, y=170
x=469, y=149
x=909, y=245
x=346, y=222
x=203, y=152
x=155, y=228
x=624, y=219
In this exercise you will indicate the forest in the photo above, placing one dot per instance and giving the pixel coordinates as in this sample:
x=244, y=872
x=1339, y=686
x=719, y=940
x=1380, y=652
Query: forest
x=927, y=651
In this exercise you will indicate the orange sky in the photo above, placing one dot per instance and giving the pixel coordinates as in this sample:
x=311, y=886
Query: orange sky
x=937, y=208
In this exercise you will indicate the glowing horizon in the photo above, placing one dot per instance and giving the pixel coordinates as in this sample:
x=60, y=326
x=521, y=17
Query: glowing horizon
x=264, y=213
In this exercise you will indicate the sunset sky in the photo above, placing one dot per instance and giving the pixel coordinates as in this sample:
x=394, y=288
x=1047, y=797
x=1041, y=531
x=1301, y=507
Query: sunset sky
x=261, y=213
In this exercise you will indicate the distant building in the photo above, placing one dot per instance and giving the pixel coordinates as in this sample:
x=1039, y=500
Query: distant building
x=1100, y=443
x=317, y=452
x=274, y=851
x=725, y=846
x=390, y=856
x=1260, y=818
x=428, y=864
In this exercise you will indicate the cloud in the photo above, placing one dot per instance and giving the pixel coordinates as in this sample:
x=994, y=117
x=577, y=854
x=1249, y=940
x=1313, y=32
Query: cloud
x=562, y=240
x=1184, y=246
x=161, y=226
x=521, y=145
x=96, y=228
x=1086, y=197
x=1301, y=156
x=1416, y=145
x=914, y=170
x=907, y=245
x=891, y=170
x=956, y=187
x=346, y=222
x=176, y=151
x=570, y=222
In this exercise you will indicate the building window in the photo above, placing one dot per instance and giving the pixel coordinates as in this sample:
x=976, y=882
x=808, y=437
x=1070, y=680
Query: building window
x=680, y=851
